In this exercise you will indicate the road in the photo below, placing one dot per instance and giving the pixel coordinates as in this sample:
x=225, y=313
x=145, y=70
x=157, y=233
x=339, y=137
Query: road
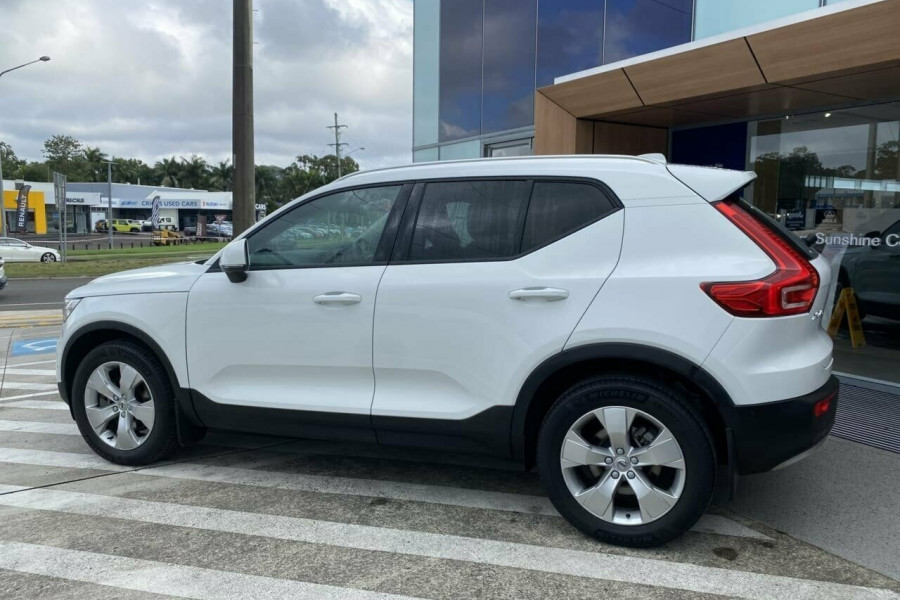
x=38, y=294
x=240, y=516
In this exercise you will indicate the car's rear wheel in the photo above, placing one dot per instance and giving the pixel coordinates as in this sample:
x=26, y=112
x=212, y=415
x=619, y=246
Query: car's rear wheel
x=48, y=257
x=123, y=403
x=627, y=460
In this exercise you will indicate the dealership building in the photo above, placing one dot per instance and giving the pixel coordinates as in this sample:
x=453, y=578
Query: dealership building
x=803, y=92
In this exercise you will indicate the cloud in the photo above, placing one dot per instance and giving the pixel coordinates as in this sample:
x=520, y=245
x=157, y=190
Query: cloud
x=152, y=79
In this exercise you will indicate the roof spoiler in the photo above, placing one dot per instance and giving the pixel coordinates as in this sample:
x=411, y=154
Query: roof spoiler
x=710, y=183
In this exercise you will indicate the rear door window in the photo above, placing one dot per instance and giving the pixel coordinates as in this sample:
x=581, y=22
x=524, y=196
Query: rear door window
x=469, y=220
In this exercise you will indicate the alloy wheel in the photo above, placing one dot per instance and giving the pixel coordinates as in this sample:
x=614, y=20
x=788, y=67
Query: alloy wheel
x=119, y=405
x=623, y=465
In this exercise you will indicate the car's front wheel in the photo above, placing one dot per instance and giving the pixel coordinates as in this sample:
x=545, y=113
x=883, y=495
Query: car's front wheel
x=627, y=460
x=123, y=404
x=48, y=257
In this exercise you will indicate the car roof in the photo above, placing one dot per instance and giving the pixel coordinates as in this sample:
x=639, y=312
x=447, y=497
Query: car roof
x=632, y=178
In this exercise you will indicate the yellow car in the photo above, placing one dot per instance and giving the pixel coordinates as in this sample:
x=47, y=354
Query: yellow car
x=125, y=225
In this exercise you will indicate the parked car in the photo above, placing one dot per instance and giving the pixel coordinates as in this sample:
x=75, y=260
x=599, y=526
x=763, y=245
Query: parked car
x=147, y=225
x=15, y=250
x=501, y=306
x=873, y=271
x=169, y=223
x=125, y=226
x=101, y=226
x=2, y=275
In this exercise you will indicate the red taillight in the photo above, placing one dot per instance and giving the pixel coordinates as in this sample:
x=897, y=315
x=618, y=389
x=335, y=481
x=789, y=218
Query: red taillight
x=821, y=407
x=790, y=290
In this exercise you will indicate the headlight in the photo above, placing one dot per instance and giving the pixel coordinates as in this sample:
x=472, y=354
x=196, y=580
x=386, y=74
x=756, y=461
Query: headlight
x=68, y=306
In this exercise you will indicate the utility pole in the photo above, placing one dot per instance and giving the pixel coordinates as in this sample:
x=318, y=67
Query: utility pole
x=109, y=219
x=2, y=201
x=244, y=182
x=337, y=142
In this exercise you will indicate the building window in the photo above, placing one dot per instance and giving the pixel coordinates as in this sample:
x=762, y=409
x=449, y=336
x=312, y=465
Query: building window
x=426, y=48
x=461, y=150
x=718, y=16
x=509, y=55
x=834, y=175
x=570, y=38
x=635, y=27
x=460, y=69
x=514, y=148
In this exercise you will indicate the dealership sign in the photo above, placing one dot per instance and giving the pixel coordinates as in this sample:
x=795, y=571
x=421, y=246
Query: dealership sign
x=83, y=198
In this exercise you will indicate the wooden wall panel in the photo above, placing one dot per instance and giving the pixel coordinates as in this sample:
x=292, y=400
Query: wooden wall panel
x=853, y=39
x=603, y=92
x=555, y=130
x=701, y=72
x=616, y=138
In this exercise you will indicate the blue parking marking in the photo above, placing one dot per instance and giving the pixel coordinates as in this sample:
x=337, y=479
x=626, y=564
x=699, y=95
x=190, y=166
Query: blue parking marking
x=26, y=347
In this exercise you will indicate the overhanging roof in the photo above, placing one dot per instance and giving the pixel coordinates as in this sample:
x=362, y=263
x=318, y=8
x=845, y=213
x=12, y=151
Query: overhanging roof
x=841, y=54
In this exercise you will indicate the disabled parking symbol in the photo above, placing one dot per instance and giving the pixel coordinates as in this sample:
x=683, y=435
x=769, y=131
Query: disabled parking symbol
x=26, y=347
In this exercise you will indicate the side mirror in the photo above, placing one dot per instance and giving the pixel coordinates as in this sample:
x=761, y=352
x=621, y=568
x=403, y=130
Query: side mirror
x=234, y=261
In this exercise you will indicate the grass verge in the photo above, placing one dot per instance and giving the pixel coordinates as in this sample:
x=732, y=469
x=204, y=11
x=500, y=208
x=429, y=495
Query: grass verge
x=90, y=268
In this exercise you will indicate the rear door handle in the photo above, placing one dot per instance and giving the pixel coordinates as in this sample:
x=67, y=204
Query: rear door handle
x=340, y=298
x=546, y=294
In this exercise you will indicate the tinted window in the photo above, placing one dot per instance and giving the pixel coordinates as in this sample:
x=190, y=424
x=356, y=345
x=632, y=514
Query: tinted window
x=469, y=221
x=636, y=27
x=460, y=69
x=508, y=64
x=557, y=209
x=570, y=38
x=343, y=228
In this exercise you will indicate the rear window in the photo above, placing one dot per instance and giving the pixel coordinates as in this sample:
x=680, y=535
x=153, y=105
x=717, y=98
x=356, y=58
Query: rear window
x=559, y=208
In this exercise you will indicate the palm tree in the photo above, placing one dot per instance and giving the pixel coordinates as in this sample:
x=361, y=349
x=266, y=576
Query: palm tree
x=222, y=175
x=96, y=164
x=168, y=171
x=194, y=172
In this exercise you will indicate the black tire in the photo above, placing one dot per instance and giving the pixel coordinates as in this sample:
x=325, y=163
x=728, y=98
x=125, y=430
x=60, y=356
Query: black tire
x=662, y=403
x=162, y=439
x=48, y=257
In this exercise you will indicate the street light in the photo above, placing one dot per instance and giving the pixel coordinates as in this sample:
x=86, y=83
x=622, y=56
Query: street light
x=2, y=201
x=41, y=59
x=352, y=151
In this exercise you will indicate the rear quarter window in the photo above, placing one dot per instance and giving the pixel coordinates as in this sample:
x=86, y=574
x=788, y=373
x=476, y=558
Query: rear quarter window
x=560, y=208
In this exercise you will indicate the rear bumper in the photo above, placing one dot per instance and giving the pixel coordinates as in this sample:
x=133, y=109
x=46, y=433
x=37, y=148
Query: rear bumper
x=767, y=435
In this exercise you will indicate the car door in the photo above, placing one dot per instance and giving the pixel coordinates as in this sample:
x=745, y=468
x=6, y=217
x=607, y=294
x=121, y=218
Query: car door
x=16, y=250
x=289, y=350
x=875, y=274
x=489, y=279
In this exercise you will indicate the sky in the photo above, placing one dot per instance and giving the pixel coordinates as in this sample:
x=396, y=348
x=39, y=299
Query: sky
x=152, y=78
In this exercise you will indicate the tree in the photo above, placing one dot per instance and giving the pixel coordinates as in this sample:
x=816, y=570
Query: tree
x=194, y=172
x=12, y=164
x=95, y=164
x=221, y=176
x=64, y=154
x=168, y=172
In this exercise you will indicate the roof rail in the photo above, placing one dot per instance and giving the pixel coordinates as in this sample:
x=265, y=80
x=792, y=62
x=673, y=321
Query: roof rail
x=655, y=157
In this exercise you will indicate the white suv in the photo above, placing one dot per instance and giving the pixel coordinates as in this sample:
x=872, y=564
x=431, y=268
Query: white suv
x=632, y=328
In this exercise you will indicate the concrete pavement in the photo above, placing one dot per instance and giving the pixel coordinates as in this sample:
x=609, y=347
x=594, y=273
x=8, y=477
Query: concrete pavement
x=241, y=516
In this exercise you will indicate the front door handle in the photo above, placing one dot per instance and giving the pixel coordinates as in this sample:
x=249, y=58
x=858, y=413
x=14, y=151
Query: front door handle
x=546, y=294
x=340, y=298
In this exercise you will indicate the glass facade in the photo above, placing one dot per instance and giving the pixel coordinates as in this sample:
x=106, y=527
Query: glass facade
x=461, y=45
x=461, y=150
x=509, y=55
x=426, y=52
x=635, y=27
x=718, y=16
x=570, y=38
x=834, y=175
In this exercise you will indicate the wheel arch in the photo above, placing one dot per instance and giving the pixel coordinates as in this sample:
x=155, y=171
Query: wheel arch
x=93, y=334
x=558, y=373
